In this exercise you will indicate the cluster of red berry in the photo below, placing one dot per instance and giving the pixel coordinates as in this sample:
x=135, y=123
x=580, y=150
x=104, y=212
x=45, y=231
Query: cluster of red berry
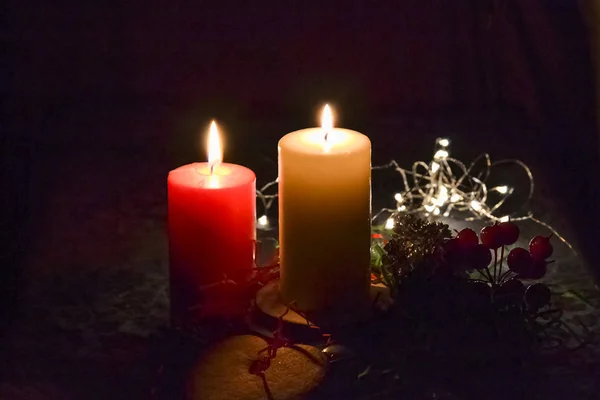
x=465, y=247
x=466, y=252
x=531, y=264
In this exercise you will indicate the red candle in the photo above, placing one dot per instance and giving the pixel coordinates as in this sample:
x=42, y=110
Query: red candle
x=212, y=214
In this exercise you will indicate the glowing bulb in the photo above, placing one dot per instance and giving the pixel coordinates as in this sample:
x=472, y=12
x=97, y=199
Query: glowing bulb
x=506, y=218
x=263, y=221
x=444, y=142
x=475, y=205
x=440, y=155
x=215, y=152
x=429, y=207
x=447, y=214
x=389, y=224
x=435, y=167
x=502, y=189
x=398, y=197
x=443, y=195
x=455, y=198
x=402, y=208
x=441, y=198
x=436, y=211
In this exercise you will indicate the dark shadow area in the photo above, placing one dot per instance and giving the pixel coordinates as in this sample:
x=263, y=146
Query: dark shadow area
x=101, y=100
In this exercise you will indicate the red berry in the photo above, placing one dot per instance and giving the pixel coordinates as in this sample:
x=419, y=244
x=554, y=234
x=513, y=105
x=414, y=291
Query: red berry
x=537, y=270
x=453, y=253
x=490, y=237
x=478, y=297
x=512, y=287
x=451, y=246
x=519, y=260
x=509, y=233
x=467, y=238
x=479, y=291
x=540, y=247
x=537, y=296
x=479, y=257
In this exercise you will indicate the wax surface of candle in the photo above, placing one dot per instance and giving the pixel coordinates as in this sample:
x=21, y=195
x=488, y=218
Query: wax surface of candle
x=324, y=212
x=211, y=231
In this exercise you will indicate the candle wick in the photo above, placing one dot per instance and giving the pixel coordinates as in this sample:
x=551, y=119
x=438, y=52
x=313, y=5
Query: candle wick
x=326, y=134
x=212, y=168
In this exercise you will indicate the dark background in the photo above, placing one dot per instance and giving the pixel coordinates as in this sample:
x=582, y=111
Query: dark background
x=95, y=91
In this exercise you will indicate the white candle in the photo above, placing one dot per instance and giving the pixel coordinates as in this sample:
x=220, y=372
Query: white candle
x=325, y=218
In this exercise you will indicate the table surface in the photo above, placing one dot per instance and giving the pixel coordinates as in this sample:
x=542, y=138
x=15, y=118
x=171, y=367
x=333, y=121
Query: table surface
x=96, y=292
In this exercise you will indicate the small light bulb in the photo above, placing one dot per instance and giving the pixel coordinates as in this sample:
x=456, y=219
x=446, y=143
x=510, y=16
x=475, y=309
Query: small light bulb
x=455, y=198
x=502, y=189
x=444, y=142
x=442, y=197
x=436, y=211
x=389, y=224
x=475, y=205
x=438, y=201
x=429, y=207
x=447, y=214
x=402, y=208
x=506, y=218
x=435, y=167
x=398, y=197
x=440, y=155
x=263, y=221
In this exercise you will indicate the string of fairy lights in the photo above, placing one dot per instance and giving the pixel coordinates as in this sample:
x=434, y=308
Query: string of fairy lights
x=267, y=202
x=444, y=187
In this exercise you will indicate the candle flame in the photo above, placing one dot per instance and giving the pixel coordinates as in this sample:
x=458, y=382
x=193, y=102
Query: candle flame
x=215, y=152
x=327, y=119
x=326, y=125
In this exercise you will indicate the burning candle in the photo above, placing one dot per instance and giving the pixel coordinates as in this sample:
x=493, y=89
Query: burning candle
x=212, y=213
x=324, y=218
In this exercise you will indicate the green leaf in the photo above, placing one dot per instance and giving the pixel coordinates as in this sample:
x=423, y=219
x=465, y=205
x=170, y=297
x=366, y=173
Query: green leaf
x=364, y=373
x=572, y=294
x=388, y=276
x=378, y=229
x=377, y=253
